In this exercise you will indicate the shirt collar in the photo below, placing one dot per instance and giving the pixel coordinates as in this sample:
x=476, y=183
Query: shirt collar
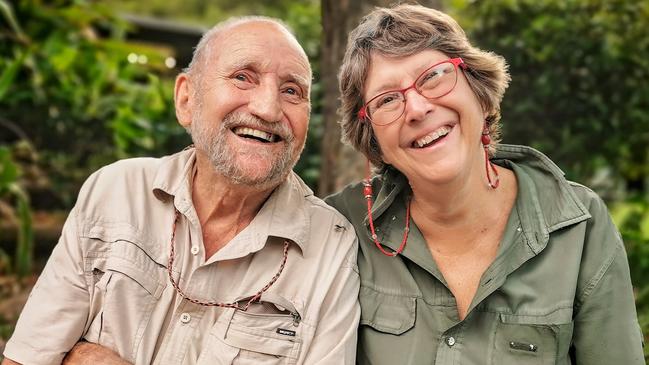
x=552, y=200
x=537, y=177
x=173, y=174
x=283, y=215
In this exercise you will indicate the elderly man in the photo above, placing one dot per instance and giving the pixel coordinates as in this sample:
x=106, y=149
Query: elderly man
x=218, y=254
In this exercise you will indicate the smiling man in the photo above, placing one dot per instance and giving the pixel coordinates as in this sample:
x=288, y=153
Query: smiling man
x=218, y=254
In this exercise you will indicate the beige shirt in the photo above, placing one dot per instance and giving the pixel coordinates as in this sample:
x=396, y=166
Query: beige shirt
x=107, y=281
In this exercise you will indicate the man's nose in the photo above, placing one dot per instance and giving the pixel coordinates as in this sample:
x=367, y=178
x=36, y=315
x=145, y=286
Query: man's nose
x=417, y=106
x=265, y=103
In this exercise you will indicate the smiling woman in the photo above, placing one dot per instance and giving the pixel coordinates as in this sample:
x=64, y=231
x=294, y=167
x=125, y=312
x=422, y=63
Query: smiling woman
x=469, y=248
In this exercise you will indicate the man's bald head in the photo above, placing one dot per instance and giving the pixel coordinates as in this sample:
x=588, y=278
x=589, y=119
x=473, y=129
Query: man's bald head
x=205, y=46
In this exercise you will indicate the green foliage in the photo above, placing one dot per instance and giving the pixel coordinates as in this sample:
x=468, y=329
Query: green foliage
x=580, y=71
x=632, y=218
x=74, y=94
x=67, y=86
x=9, y=187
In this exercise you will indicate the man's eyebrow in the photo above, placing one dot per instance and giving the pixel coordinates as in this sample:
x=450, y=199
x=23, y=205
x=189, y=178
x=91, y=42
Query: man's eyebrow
x=242, y=64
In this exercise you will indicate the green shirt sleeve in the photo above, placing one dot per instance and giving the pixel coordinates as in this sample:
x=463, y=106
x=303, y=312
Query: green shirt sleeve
x=606, y=330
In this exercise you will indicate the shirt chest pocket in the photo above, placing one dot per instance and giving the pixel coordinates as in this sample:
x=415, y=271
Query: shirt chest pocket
x=125, y=285
x=385, y=323
x=242, y=338
x=532, y=340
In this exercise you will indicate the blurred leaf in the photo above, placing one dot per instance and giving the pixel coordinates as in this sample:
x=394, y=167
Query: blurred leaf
x=8, y=14
x=8, y=170
x=9, y=74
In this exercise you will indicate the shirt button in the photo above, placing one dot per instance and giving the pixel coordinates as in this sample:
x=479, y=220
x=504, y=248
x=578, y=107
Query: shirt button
x=450, y=341
x=185, y=318
x=194, y=250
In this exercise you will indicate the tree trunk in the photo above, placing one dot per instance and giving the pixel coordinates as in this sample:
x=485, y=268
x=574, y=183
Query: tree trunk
x=340, y=164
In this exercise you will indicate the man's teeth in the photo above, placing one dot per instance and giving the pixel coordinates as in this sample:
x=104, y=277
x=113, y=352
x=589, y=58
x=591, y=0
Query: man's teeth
x=438, y=133
x=249, y=132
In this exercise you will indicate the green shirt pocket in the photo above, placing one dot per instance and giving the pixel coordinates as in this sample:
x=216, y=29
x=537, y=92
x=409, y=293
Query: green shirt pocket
x=386, y=322
x=387, y=313
x=533, y=340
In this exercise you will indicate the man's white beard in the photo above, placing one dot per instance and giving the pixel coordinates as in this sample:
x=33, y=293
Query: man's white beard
x=224, y=155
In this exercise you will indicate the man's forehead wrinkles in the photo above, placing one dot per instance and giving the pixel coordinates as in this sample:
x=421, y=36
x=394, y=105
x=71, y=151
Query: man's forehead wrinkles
x=298, y=73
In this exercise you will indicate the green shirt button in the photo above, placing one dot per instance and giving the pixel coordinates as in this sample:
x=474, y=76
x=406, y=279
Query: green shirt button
x=450, y=341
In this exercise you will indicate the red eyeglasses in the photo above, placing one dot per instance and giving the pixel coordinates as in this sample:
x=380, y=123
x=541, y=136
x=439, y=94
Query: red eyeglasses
x=435, y=82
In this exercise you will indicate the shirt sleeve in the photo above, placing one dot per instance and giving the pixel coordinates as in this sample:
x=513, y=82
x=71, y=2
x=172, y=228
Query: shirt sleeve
x=55, y=314
x=606, y=329
x=334, y=341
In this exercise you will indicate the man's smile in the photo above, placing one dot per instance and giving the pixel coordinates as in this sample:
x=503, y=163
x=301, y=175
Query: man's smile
x=256, y=134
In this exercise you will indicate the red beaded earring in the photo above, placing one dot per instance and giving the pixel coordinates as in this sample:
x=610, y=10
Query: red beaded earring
x=486, y=141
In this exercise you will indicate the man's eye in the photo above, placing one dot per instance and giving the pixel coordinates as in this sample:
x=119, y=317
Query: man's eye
x=241, y=77
x=293, y=92
x=243, y=80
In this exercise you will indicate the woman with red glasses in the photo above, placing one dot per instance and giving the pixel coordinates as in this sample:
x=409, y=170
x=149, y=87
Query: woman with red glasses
x=472, y=252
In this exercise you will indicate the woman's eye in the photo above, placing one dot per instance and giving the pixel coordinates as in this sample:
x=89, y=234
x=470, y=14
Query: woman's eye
x=385, y=100
x=434, y=74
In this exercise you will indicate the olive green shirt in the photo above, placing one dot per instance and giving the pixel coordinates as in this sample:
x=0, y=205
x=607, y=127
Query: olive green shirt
x=558, y=291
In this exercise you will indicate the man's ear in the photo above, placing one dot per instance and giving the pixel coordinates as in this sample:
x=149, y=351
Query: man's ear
x=183, y=94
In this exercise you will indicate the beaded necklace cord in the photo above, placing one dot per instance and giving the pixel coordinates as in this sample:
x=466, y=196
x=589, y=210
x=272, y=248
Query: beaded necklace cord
x=234, y=305
x=367, y=192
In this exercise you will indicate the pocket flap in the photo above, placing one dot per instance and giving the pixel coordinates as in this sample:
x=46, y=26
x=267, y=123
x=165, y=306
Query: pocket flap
x=388, y=313
x=151, y=284
x=263, y=343
x=558, y=316
x=271, y=334
x=129, y=259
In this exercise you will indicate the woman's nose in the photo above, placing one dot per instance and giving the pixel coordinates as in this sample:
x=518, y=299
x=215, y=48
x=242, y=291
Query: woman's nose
x=417, y=106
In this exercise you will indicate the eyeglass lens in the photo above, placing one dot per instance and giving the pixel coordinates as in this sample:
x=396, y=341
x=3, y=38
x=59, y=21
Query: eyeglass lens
x=433, y=83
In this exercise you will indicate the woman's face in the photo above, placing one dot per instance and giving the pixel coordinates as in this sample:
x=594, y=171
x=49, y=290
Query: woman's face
x=435, y=140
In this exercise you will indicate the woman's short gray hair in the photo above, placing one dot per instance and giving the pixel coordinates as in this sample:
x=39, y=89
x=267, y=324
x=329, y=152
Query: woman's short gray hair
x=404, y=30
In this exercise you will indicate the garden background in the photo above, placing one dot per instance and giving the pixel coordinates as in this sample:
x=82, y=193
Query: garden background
x=84, y=83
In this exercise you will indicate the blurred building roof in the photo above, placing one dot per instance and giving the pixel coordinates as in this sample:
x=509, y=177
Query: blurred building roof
x=182, y=38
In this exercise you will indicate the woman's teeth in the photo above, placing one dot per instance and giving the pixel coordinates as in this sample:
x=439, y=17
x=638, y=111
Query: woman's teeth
x=430, y=138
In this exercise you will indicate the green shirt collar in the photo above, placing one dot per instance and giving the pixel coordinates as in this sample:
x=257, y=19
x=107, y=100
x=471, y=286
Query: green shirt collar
x=546, y=201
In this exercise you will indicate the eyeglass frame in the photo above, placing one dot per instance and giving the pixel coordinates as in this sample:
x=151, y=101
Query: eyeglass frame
x=456, y=62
